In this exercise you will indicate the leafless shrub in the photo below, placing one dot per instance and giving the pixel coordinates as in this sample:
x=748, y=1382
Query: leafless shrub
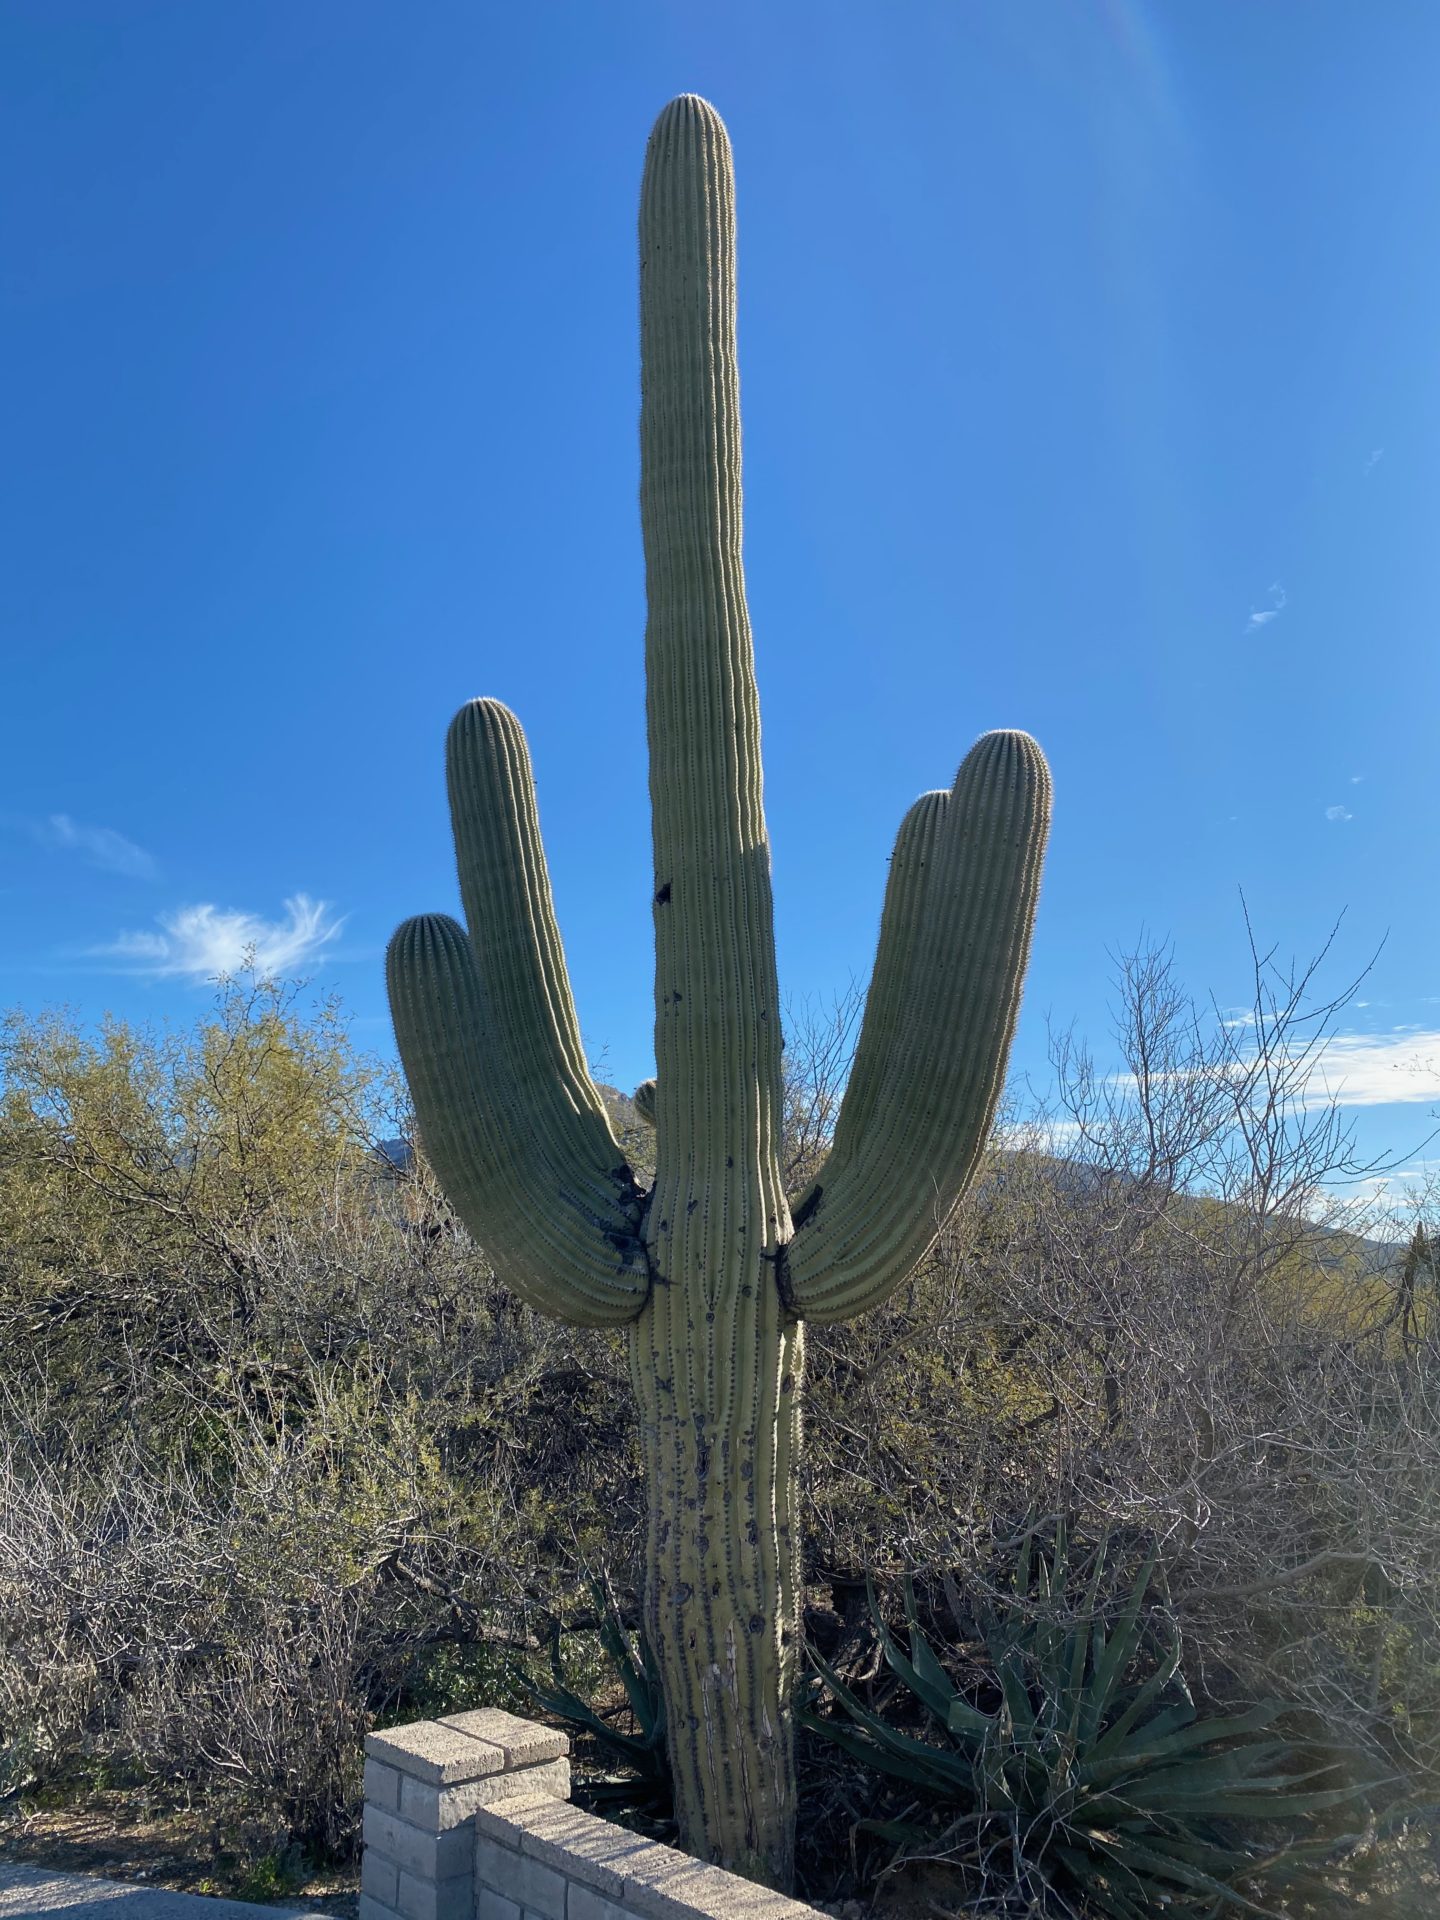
x=1159, y=1314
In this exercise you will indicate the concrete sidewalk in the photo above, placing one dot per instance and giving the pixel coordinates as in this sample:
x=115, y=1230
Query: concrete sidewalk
x=34, y=1891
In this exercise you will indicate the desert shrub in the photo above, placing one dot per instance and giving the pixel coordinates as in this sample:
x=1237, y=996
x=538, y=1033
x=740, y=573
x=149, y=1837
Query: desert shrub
x=273, y=1435
x=277, y=1454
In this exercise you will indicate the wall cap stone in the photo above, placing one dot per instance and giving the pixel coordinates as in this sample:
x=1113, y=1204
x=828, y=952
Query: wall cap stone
x=524, y=1743
x=654, y=1881
x=592, y=1851
x=440, y=1755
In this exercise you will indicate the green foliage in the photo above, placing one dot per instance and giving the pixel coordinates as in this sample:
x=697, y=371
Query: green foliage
x=274, y=1876
x=1091, y=1770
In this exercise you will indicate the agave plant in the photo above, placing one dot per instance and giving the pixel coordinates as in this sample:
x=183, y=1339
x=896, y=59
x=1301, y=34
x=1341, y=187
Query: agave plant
x=1095, y=1775
x=643, y=1783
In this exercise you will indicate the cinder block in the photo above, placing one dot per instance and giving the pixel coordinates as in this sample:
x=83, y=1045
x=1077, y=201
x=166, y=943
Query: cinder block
x=494, y=1906
x=585, y=1849
x=487, y=1852
x=500, y=1821
x=379, y=1876
x=539, y=1889
x=441, y=1755
x=437, y=1899
x=525, y=1743
x=428, y=1856
x=437, y=1808
x=372, y=1909
x=382, y=1786
x=583, y=1903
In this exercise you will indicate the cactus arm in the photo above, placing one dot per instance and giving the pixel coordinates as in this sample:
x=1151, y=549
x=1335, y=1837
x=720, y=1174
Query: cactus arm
x=954, y=940
x=505, y=887
x=487, y=1032
x=553, y=1233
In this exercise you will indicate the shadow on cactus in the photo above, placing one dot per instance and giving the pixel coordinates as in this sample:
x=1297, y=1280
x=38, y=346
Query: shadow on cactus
x=640, y=1786
x=1079, y=1776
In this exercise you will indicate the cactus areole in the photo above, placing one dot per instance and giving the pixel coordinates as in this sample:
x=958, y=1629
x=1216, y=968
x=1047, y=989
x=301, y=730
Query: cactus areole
x=715, y=1270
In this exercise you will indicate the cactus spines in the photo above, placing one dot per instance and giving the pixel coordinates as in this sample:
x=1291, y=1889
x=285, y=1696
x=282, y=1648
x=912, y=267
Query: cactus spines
x=711, y=1272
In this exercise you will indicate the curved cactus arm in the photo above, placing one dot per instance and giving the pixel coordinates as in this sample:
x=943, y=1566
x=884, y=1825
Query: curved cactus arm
x=954, y=940
x=644, y=1097
x=487, y=1031
x=559, y=1230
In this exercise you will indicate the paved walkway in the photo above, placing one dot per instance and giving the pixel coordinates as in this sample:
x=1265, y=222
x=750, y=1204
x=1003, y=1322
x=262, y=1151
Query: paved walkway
x=33, y=1891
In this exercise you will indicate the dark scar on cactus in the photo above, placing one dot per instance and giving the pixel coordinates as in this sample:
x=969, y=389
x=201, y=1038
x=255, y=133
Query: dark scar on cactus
x=662, y=897
x=805, y=1212
x=781, y=1260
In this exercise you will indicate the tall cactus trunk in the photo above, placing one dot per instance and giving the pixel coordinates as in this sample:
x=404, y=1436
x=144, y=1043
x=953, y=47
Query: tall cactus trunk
x=718, y=1389
x=716, y=1355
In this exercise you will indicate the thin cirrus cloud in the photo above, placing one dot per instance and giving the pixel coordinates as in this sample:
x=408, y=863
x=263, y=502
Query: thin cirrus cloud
x=101, y=846
x=200, y=943
x=1264, y=615
x=1338, y=813
x=1399, y=1068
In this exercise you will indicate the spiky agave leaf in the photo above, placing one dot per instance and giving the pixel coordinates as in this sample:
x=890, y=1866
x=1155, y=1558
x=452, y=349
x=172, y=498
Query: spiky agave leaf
x=642, y=1756
x=1123, y=1792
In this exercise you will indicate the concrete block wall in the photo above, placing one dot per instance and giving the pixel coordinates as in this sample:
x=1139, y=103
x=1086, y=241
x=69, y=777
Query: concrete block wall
x=423, y=1784
x=468, y=1818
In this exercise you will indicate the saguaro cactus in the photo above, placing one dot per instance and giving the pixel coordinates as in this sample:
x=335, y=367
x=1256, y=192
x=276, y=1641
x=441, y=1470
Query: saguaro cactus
x=714, y=1271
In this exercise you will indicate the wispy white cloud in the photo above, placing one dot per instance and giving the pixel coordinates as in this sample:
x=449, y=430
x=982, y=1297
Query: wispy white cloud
x=101, y=846
x=1264, y=615
x=1376, y=456
x=1338, y=813
x=1400, y=1068
x=1356, y=778
x=1397, y=1068
x=200, y=942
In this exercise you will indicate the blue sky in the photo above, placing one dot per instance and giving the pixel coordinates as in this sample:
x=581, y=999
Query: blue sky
x=1091, y=385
